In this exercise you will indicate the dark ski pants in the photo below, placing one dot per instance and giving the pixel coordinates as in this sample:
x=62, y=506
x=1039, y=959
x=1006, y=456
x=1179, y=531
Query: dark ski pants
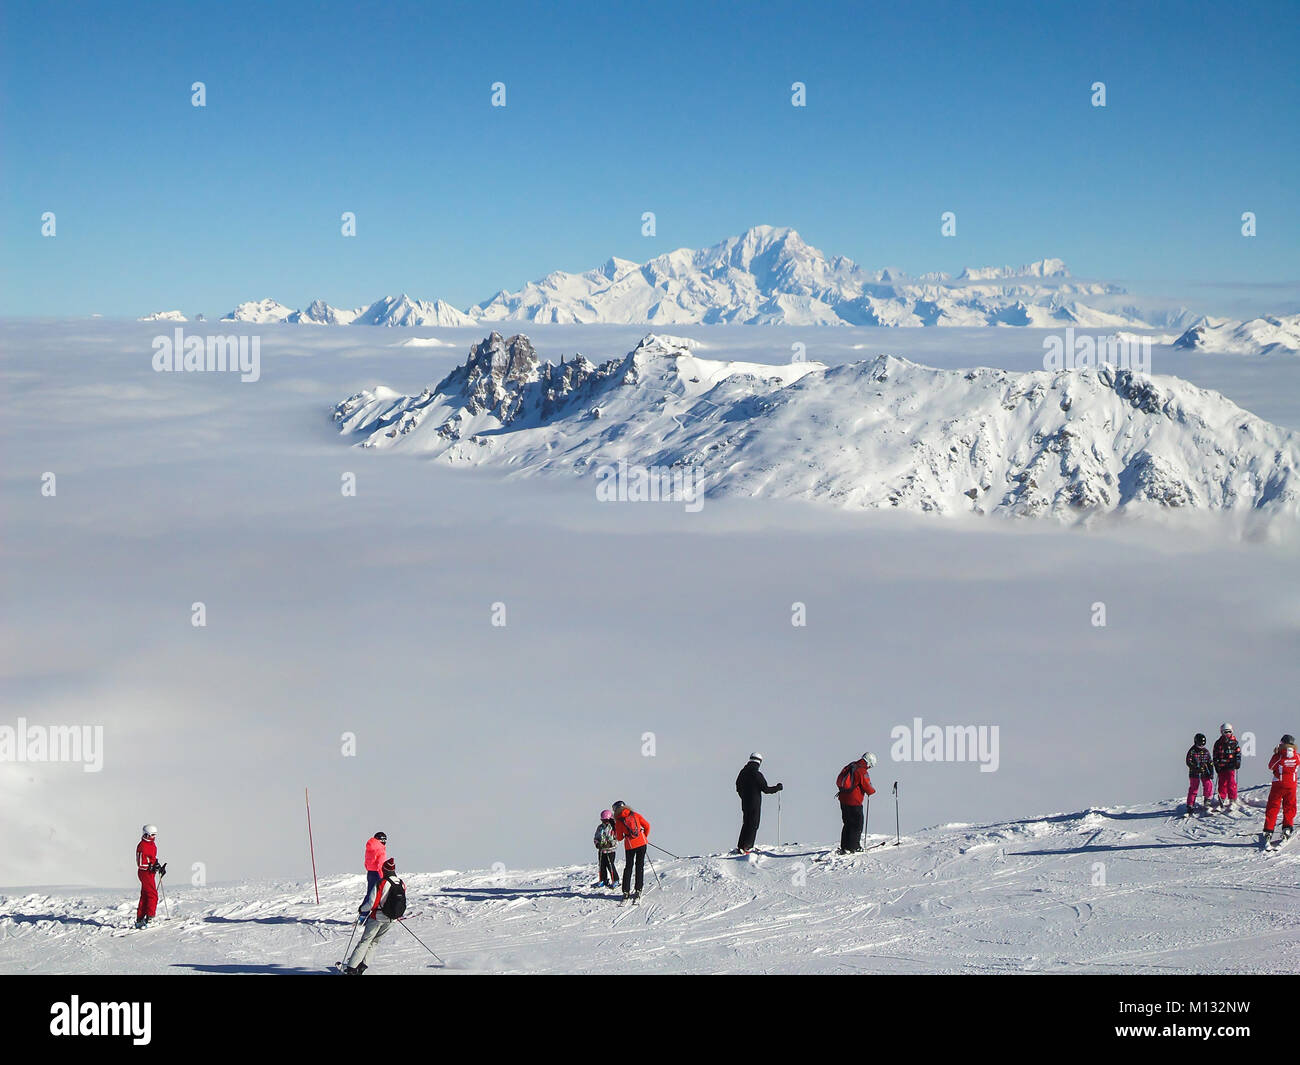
x=749, y=825
x=372, y=885
x=851, y=836
x=634, y=858
x=608, y=865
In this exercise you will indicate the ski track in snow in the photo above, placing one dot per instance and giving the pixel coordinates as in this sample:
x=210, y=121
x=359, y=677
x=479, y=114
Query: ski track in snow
x=1179, y=896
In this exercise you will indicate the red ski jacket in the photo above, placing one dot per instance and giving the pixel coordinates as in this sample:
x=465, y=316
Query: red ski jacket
x=376, y=852
x=1285, y=763
x=854, y=783
x=146, y=855
x=632, y=829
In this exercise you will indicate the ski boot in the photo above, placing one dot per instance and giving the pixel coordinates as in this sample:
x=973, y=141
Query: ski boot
x=1265, y=838
x=1286, y=832
x=636, y=896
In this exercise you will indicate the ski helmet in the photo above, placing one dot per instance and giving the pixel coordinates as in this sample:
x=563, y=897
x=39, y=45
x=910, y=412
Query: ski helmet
x=390, y=866
x=1200, y=739
x=870, y=759
x=1288, y=740
x=619, y=807
x=381, y=836
x=755, y=757
x=1226, y=729
x=150, y=830
x=605, y=815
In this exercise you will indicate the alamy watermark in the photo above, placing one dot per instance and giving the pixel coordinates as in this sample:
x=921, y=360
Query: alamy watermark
x=212, y=354
x=920, y=742
x=1123, y=351
x=53, y=743
x=628, y=483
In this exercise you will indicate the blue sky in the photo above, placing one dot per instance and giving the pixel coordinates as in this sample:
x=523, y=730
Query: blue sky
x=614, y=109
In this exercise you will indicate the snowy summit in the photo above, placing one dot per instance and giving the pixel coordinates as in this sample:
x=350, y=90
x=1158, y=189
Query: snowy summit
x=883, y=433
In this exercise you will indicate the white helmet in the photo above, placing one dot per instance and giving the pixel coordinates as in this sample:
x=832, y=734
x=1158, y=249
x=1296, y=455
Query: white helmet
x=1225, y=728
x=870, y=759
x=755, y=757
x=150, y=830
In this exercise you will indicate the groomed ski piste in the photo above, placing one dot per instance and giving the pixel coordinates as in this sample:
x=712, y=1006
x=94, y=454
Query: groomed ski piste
x=1136, y=889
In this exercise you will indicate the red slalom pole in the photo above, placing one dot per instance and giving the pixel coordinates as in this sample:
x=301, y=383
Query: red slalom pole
x=312, y=844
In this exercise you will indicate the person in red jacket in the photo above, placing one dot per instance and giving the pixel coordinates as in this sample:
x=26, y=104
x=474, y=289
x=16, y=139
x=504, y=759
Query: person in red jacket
x=1285, y=765
x=854, y=784
x=634, y=831
x=147, y=867
x=376, y=852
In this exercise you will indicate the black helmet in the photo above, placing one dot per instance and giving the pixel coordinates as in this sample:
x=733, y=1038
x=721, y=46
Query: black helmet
x=381, y=836
x=1200, y=739
x=1288, y=740
x=620, y=805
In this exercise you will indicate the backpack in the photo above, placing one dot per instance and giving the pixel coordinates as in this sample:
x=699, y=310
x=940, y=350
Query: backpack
x=395, y=902
x=847, y=780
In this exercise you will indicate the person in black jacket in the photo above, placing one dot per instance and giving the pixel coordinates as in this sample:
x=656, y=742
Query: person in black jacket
x=751, y=786
x=1200, y=773
x=1227, y=760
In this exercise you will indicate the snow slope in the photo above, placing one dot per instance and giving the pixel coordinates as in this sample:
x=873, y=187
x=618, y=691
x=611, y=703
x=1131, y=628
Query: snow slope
x=1107, y=890
x=1259, y=336
x=883, y=433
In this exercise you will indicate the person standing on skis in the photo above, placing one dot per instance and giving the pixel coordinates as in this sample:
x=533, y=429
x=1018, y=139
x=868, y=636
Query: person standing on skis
x=751, y=786
x=376, y=853
x=1200, y=772
x=606, y=846
x=1285, y=765
x=389, y=906
x=1227, y=760
x=634, y=831
x=147, y=867
x=854, y=785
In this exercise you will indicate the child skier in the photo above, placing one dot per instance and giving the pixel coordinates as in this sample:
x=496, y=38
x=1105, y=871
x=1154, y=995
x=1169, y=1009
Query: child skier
x=1227, y=760
x=606, y=845
x=1200, y=772
x=146, y=866
x=1285, y=764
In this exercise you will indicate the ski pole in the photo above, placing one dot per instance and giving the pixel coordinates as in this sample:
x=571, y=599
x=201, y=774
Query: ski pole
x=778, y=819
x=669, y=853
x=866, y=822
x=348, y=949
x=898, y=839
x=166, y=909
x=420, y=941
x=656, y=872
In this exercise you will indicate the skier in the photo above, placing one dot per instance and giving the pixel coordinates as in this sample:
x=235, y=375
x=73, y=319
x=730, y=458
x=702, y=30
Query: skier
x=1281, y=796
x=376, y=852
x=634, y=831
x=389, y=906
x=606, y=845
x=751, y=786
x=854, y=784
x=1200, y=772
x=1227, y=760
x=146, y=867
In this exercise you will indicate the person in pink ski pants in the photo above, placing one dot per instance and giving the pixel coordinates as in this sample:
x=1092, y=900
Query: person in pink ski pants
x=1200, y=772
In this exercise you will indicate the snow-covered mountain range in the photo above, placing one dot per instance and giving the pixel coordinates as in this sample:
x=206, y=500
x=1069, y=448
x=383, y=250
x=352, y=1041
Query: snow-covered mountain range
x=875, y=434
x=767, y=275
x=1258, y=336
